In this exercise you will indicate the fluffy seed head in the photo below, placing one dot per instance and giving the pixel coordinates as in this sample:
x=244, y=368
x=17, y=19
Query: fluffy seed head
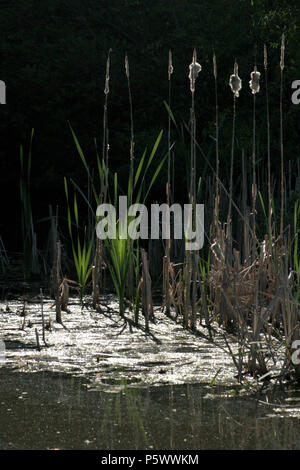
x=282, y=51
x=195, y=68
x=106, y=89
x=235, y=82
x=215, y=65
x=126, y=66
x=254, y=82
x=170, y=66
x=265, y=57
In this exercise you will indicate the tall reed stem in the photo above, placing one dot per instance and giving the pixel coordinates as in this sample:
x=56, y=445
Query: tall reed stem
x=281, y=134
x=254, y=187
x=131, y=131
x=105, y=149
x=268, y=144
x=103, y=169
x=130, y=280
x=229, y=217
x=236, y=84
x=191, y=273
x=168, y=189
x=217, y=142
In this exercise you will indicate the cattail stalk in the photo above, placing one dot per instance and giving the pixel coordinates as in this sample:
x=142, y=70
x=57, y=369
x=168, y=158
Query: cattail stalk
x=170, y=71
x=236, y=84
x=254, y=190
x=97, y=264
x=281, y=133
x=131, y=131
x=195, y=68
x=254, y=86
x=168, y=189
x=268, y=145
x=229, y=223
x=105, y=149
x=57, y=284
x=130, y=280
x=217, y=142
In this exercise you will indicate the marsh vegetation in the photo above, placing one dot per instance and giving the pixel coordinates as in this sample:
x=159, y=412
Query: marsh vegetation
x=244, y=282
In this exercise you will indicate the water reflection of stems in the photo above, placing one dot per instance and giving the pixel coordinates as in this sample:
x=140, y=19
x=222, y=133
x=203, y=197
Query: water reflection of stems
x=135, y=410
x=124, y=411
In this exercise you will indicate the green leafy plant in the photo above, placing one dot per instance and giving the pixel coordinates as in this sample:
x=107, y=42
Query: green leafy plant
x=120, y=250
x=81, y=247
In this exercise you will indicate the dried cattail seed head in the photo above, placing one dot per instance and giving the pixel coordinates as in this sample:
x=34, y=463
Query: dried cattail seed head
x=254, y=82
x=126, y=66
x=195, y=68
x=170, y=66
x=215, y=65
x=106, y=89
x=282, y=51
x=265, y=57
x=235, y=82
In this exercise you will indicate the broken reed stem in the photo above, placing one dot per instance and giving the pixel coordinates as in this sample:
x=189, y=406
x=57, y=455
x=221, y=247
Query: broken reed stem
x=194, y=290
x=64, y=295
x=37, y=340
x=203, y=297
x=96, y=273
x=146, y=290
x=165, y=287
x=42, y=312
x=187, y=292
x=24, y=315
x=58, y=282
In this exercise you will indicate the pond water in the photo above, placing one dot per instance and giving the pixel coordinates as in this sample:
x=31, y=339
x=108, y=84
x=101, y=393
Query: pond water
x=54, y=411
x=100, y=383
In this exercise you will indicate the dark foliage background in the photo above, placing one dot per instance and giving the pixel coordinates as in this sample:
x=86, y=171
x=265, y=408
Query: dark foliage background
x=52, y=58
